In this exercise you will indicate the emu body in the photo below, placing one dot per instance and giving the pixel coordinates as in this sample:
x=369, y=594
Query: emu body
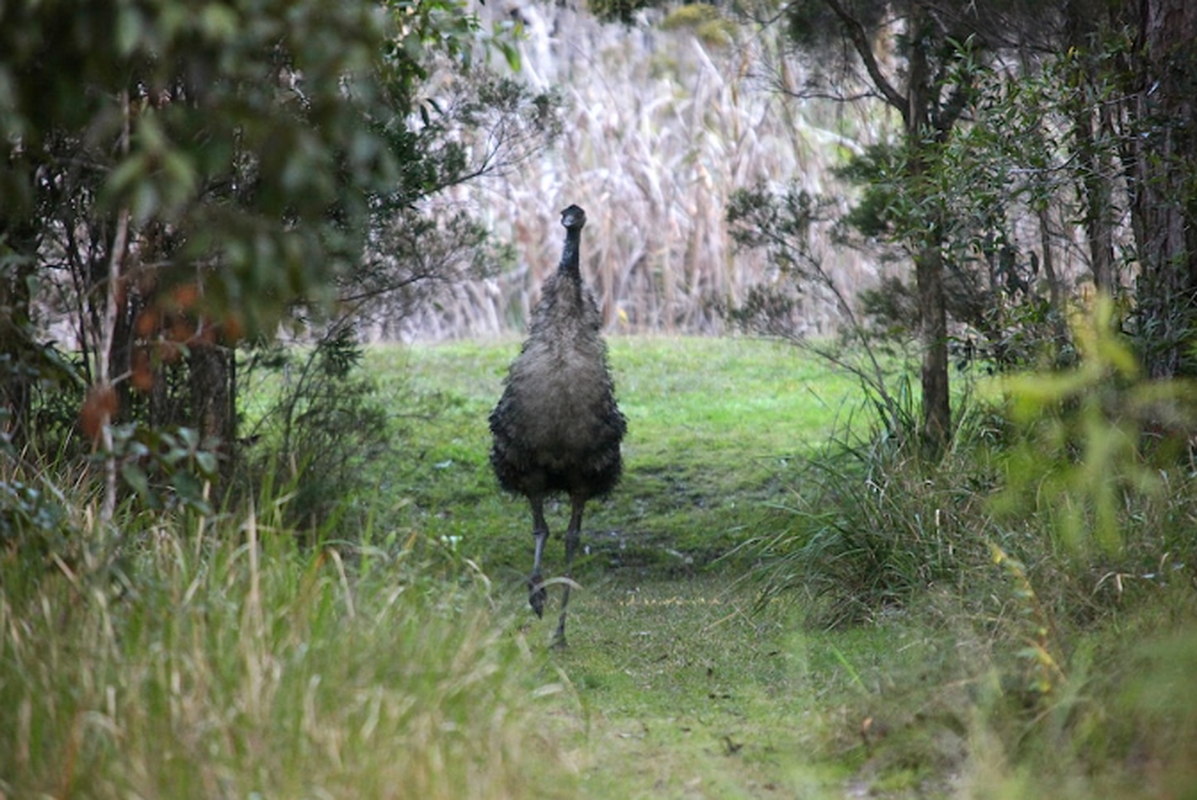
x=557, y=428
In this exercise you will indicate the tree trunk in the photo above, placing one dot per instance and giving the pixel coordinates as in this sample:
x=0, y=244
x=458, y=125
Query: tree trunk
x=928, y=252
x=16, y=359
x=927, y=122
x=937, y=409
x=1055, y=287
x=1096, y=171
x=1098, y=204
x=210, y=373
x=1165, y=199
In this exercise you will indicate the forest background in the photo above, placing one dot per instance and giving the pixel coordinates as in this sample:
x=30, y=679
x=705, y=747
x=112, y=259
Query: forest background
x=208, y=209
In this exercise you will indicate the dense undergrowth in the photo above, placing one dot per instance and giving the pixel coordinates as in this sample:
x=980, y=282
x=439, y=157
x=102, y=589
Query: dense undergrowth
x=1052, y=547
x=780, y=597
x=219, y=659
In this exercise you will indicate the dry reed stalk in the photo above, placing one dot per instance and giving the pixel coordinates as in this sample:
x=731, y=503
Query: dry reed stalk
x=661, y=128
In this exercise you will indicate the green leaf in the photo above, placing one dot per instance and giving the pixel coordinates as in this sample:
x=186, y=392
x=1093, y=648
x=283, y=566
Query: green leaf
x=207, y=462
x=136, y=478
x=130, y=28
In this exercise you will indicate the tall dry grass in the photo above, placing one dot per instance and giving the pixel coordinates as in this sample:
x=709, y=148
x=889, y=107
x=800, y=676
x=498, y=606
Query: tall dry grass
x=219, y=660
x=663, y=121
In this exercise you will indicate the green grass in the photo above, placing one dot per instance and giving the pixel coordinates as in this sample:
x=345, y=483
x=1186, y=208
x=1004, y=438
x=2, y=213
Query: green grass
x=224, y=658
x=717, y=431
x=680, y=692
x=206, y=667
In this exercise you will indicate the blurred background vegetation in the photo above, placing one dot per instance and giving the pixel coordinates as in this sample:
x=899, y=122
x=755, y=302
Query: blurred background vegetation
x=209, y=211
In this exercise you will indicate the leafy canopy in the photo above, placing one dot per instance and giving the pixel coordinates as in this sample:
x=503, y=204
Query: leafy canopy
x=255, y=135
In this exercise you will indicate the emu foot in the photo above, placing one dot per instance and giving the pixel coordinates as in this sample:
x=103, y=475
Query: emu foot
x=537, y=595
x=558, y=642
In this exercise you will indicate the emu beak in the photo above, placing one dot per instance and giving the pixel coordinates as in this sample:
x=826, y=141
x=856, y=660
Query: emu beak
x=573, y=216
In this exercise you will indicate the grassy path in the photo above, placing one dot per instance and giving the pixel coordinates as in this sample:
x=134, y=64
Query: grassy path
x=677, y=692
x=674, y=688
x=718, y=430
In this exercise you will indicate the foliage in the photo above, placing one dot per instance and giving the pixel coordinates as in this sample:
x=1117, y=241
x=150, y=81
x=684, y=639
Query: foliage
x=1072, y=470
x=319, y=424
x=166, y=467
x=814, y=27
x=33, y=517
x=976, y=189
x=254, y=138
x=220, y=171
x=423, y=244
x=785, y=225
x=231, y=135
x=1097, y=439
x=1033, y=541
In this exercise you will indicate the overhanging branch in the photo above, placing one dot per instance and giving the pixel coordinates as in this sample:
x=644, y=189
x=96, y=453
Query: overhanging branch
x=860, y=41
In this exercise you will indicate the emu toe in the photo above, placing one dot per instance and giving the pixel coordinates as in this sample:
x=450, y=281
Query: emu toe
x=537, y=595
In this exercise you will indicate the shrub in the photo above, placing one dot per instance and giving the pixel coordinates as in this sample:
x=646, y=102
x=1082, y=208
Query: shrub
x=322, y=422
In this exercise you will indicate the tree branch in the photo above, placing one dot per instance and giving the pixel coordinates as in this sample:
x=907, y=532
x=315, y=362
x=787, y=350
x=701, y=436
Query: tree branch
x=860, y=41
x=951, y=111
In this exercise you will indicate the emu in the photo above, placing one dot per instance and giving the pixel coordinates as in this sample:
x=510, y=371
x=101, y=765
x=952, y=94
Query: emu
x=557, y=428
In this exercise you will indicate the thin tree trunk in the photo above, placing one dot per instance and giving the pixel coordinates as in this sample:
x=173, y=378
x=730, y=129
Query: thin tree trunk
x=1055, y=288
x=1096, y=170
x=922, y=130
x=103, y=388
x=1165, y=203
x=104, y=377
x=937, y=409
x=1098, y=203
x=928, y=253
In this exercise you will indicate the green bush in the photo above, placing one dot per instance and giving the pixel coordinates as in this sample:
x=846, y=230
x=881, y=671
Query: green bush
x=321, y=423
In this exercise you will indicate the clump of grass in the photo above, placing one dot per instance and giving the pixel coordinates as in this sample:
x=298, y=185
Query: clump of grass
x=873, y=523
x=223, y=661
x=1054, y=566
x=705, y=20
x=316, y=421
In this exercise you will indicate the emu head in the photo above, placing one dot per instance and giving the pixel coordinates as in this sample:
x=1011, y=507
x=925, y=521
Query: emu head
x=573, y=218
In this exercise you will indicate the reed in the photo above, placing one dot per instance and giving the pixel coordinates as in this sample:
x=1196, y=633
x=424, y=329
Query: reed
x=663, y=122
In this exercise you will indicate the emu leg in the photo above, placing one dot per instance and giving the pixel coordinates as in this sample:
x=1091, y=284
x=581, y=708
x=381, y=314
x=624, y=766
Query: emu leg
x=573, y=537
x=540, y=534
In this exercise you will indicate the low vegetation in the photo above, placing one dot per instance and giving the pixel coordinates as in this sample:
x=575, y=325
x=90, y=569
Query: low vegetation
x=775, y=603
x=234, y=568
x=717, y=433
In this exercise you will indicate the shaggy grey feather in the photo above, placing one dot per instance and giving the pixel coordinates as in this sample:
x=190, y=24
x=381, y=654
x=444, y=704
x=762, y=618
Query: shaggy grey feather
x=557, y=427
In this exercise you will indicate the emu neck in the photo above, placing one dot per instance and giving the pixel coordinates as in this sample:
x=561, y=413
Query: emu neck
x=569, y=256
